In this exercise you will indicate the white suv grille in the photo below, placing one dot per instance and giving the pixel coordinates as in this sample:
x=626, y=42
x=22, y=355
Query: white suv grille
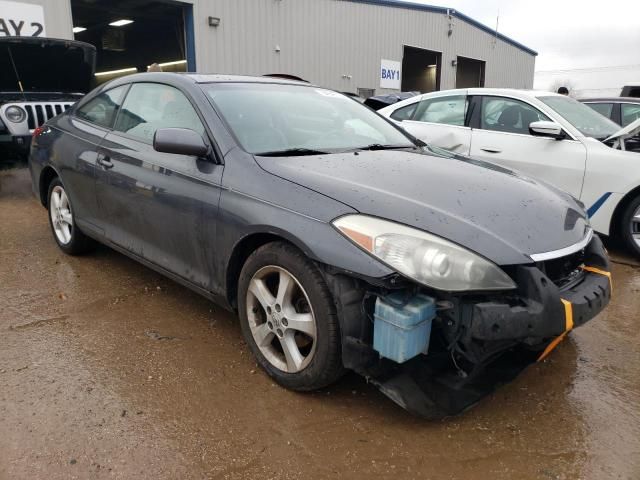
x=38, y=113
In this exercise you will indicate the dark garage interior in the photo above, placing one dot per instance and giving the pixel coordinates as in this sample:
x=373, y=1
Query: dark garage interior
x=469, y=73
x=420, y=70
x=150, y=31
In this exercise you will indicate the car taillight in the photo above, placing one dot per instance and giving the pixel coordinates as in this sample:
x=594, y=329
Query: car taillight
x=38, y=131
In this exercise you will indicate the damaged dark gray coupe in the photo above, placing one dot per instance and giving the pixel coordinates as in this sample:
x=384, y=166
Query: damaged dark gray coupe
x=341, y=241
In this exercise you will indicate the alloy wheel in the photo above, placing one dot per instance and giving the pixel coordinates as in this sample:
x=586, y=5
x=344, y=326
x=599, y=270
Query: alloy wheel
x=61, y=216
x=281, y=319
x=635, y=227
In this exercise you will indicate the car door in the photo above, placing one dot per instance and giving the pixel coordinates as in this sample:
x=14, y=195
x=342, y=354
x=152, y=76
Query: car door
x=500, y=134
x=86, y=128
x=162, y=207
x=439, y=121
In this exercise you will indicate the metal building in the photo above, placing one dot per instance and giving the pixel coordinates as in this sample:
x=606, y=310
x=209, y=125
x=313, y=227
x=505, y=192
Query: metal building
x=360, y=46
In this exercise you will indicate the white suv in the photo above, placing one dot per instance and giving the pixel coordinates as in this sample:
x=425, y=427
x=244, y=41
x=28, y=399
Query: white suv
x=545, y=135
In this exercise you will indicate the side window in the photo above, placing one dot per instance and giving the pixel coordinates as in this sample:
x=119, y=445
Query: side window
x=446, y=110
x=630, y=113
x=508, y=115
x=150, y=106
x=404, y=113
x=602, y=108
x=102, y=109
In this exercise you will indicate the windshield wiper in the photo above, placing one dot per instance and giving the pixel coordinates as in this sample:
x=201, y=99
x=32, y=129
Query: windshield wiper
x=291, y=152
x=379, y=146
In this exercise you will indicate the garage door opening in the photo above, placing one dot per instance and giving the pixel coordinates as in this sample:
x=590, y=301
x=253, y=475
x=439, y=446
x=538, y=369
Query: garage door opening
x=469, y=73
x=420, y=70
x=130, y=35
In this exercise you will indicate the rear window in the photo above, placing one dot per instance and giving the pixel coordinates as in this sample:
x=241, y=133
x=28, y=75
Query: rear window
x=404, y=113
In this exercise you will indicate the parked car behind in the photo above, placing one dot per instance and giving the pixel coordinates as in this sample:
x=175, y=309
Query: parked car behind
x=435, y=276
x=632, y=90
x=380, y=101
x=548, y=136
x=39, y=78
x=621, y=110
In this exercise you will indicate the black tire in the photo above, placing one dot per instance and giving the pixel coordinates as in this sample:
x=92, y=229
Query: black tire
x=78, y=243
x=626, y=226
x=325, y=365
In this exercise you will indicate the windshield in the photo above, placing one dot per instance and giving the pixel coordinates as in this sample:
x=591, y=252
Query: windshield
x=589, y=122
x=268, y=118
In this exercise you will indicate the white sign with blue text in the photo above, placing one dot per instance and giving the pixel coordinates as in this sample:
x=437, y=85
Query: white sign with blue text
x=18, y=19
x=390, y=72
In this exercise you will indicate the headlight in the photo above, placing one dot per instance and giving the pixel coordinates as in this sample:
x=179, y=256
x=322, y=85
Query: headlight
x=426, y=258
x=15, y=114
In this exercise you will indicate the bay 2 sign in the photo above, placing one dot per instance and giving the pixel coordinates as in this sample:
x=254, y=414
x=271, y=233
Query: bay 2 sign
x=19, y=19
x=390, y=73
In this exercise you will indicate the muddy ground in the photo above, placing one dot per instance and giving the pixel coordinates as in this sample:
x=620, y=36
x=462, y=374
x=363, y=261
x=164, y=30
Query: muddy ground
x=108, y=370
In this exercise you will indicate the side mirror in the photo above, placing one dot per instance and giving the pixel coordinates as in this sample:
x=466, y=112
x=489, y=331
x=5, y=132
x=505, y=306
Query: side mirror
x=181, y=141
x=547, y=129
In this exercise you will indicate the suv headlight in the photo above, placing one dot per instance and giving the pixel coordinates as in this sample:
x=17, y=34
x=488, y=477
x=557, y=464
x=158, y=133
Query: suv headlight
x=426, y=258
x=15, y=114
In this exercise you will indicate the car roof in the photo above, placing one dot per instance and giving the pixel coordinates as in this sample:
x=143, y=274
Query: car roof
x=197, y=78
x=223, y=78
x=512, y=92
x=612, y=99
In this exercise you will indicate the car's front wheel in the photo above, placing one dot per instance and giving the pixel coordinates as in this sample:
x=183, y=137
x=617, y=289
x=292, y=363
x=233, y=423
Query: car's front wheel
x=67, y=235
x=630, y=228
x=288, y=318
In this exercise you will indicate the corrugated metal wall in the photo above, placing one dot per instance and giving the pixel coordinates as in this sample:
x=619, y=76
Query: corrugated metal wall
x=325, y=40
x=334, y=43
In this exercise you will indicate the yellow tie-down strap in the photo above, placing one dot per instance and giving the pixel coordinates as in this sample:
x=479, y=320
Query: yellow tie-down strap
x=568, y=313
x=600, y=272
x=568, y=325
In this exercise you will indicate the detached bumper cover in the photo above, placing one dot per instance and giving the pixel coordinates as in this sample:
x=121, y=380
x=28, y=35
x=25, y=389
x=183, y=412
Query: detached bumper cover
x=507, y=335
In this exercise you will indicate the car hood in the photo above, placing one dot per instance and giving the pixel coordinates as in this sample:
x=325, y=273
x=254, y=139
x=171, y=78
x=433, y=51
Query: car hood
x=488, y=209
x=46, y=65
x=629, y=131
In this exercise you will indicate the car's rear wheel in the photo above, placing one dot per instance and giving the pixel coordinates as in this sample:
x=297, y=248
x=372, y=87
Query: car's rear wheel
x=288, y=318
x=65, y=231
x=630, y=227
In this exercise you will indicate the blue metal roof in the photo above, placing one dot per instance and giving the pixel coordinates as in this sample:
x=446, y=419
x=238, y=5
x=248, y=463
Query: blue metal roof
x=453, y=12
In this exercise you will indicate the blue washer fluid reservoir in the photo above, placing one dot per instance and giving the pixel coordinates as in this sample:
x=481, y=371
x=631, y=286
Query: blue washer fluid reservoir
x=402, y=327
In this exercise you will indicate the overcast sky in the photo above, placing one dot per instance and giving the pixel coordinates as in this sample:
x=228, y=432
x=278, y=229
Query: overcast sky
x=566, y=33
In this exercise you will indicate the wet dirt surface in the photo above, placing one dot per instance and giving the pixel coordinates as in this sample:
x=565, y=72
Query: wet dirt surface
x=108, y=370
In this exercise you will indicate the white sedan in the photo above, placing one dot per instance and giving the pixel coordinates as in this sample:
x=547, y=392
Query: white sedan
x=545, y=135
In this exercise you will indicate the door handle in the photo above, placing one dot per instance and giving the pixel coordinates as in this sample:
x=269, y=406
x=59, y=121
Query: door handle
x=491, y=150
x=104, y=161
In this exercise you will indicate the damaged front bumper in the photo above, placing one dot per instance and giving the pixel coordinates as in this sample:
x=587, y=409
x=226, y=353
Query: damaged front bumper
x=478, y=342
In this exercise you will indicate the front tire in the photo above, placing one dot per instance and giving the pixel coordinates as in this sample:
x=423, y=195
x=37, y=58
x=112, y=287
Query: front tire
x=288, y=318
x=630, y=226
x=67, y=235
